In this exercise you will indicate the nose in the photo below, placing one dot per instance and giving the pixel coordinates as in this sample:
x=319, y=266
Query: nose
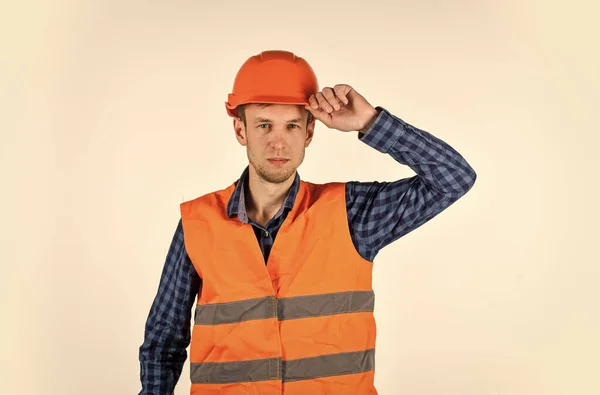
x=278, y=138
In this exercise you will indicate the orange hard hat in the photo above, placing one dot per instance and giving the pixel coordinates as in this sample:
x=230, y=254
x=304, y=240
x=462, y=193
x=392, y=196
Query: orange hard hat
x=278, y=77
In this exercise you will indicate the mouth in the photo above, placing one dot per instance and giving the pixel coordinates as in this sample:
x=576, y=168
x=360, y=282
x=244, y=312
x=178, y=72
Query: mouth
x=278, y=161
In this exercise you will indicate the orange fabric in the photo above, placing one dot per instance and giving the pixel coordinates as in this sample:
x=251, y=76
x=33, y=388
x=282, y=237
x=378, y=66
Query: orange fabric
x=310, y=337
x=229, y=342
x=272, y=77
x=270, y=387
x=313, y=254
x=349, y=384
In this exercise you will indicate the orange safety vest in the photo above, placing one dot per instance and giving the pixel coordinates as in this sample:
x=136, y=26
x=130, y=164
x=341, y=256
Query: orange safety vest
x=303, y=323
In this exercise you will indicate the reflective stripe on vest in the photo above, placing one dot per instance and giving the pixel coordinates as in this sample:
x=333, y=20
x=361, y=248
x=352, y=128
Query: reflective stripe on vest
x=285, y=308
x=301, y=323
x=269, y=368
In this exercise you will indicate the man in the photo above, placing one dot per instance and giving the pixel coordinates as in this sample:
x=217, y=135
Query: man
x=281, y=268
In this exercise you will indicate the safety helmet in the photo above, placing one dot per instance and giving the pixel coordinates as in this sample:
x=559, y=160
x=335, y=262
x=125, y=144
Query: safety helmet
x=275, y=76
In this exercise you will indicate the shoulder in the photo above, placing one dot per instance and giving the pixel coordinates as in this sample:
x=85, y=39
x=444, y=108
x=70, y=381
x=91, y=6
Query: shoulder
x=211, y=199
x=324, y=195
x=321, y=189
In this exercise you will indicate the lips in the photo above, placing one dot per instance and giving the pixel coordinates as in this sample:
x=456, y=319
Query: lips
x=278, y=161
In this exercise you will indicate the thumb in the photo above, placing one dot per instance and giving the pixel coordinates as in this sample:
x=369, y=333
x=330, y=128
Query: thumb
x=318, y=113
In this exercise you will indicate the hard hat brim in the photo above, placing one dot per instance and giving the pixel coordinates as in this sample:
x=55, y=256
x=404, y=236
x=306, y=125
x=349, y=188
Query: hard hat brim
x=298, y=100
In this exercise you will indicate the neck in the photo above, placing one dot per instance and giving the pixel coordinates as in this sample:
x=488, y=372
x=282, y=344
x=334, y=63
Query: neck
x=264, y=199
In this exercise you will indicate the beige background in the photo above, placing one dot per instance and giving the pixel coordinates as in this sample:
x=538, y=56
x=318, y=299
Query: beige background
x=112, y=114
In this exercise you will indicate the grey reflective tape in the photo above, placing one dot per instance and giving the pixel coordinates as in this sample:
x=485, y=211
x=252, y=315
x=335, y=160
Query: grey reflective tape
x=235, y=372
x=244, y=310
x=285, y=308
x=329, y=365
x=276, y=369
x=325, y=304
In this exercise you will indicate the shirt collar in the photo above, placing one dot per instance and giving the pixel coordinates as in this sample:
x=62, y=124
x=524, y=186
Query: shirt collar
x=237, y=202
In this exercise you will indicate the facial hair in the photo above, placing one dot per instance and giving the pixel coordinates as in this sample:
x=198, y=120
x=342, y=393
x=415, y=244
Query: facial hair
x=268, y=174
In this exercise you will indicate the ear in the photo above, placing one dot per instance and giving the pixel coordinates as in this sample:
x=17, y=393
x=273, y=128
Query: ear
x=310, y=132
x=240, y=131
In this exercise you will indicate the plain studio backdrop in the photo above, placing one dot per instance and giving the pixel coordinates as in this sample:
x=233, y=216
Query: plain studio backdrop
x=112, y=114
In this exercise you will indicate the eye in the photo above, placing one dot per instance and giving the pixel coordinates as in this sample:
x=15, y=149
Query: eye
x=262, y=124
x=294, y=125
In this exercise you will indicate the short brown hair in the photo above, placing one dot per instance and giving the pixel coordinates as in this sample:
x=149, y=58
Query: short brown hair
x=241, y=114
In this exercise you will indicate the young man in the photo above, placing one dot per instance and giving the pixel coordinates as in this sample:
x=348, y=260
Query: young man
x=281, y=268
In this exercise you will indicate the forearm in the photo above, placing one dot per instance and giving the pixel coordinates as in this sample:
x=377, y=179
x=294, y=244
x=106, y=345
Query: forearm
x=160, y=367
x=167, y=330
x=439, y=165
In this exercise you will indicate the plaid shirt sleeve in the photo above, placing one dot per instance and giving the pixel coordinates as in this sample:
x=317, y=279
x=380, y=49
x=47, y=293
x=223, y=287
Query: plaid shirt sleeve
x=382, y=212
x=167, y=330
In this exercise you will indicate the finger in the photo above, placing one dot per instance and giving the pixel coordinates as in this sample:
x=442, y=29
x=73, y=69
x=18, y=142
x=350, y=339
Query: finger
x=312, y=101
x=317, y=113
x=323, y=103
x=331, y=98
x=341, y=92
x=320, y=115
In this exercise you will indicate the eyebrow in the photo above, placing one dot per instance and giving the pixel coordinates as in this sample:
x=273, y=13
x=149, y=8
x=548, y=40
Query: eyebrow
x=259, y=120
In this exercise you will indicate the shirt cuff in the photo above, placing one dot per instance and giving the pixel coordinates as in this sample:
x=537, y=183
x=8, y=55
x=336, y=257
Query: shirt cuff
x=384, y=131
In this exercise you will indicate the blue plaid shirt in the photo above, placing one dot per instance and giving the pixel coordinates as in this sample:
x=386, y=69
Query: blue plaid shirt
x=378, y=214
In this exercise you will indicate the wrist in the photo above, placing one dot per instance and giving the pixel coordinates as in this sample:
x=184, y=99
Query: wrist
x=370, y=118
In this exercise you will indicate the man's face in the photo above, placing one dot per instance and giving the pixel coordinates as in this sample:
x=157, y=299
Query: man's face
x=277, y=131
